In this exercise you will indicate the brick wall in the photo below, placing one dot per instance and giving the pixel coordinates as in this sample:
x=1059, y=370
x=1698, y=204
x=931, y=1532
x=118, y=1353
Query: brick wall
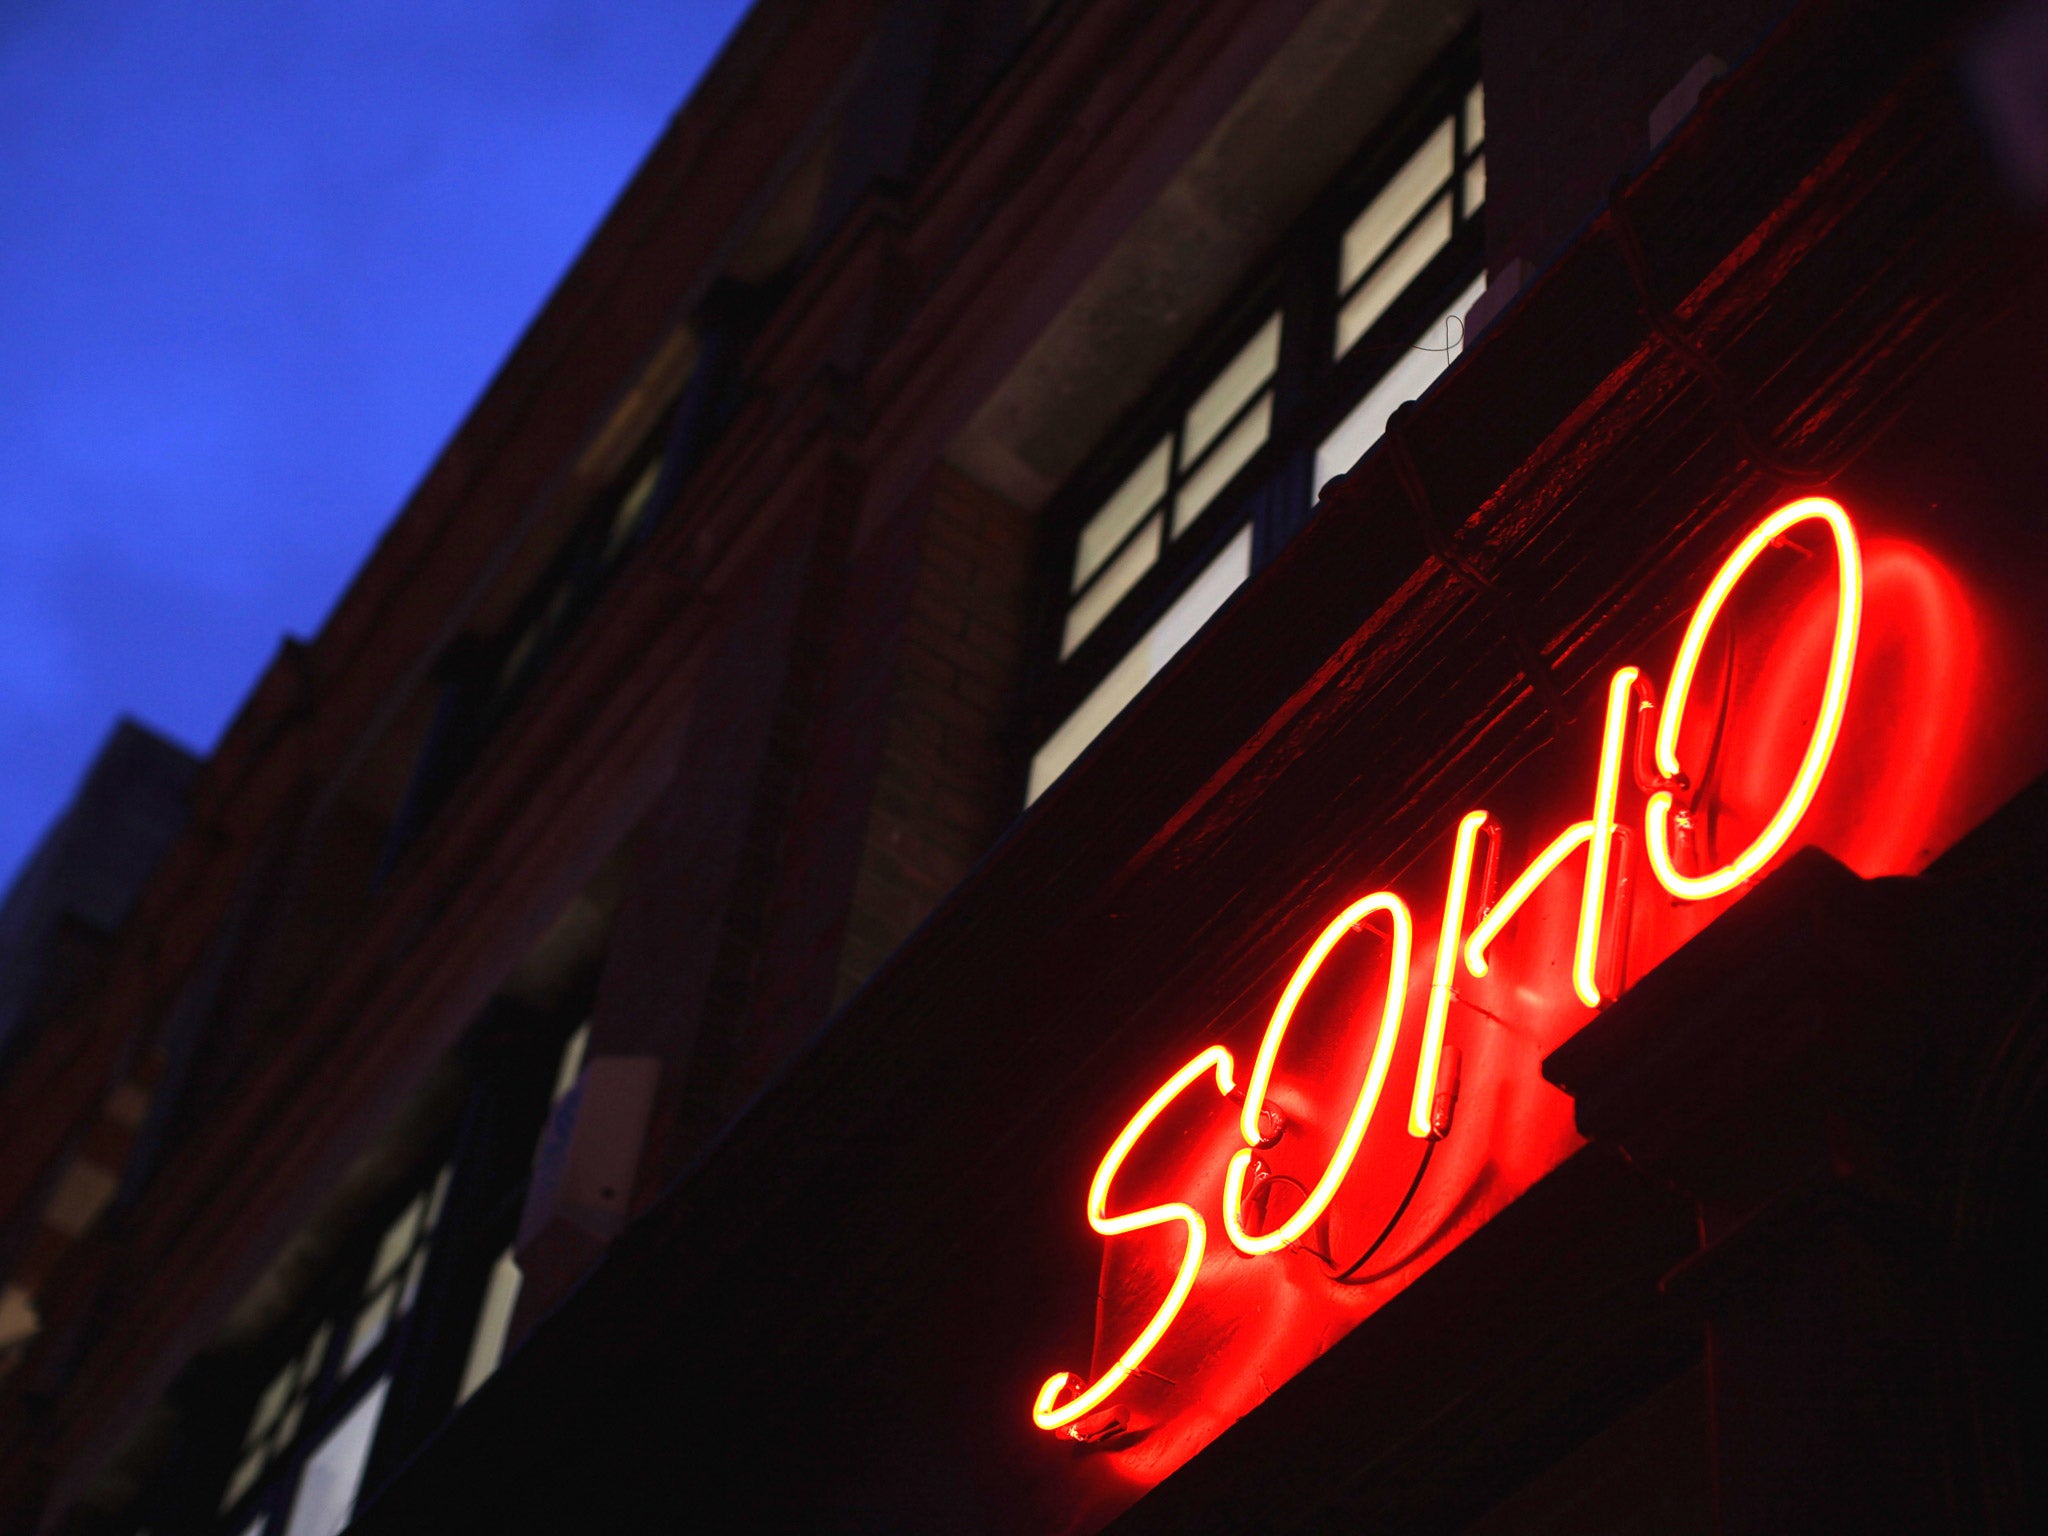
x=948, y=781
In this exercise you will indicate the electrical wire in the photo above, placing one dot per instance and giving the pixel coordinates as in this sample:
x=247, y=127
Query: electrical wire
x=1344, y=1276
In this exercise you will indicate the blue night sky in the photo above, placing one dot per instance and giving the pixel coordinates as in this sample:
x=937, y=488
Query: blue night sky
x=257, y=259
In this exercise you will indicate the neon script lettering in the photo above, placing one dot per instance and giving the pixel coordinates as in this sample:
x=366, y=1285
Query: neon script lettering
x=1065, y=1399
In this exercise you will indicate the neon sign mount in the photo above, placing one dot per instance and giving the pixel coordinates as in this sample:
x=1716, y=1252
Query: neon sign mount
x=1065, y=1402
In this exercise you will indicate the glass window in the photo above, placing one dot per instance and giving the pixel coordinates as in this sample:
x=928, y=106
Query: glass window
x=394, y=1279
x=1430, y=354
x=1108, y=528
x=1124, y=538
x=1395, y=271
x=277, y=1415
x=1412, y=218
x=1249, y=441
x=570, y=1067
x=493, y=1323
x=1143, y=662
x=1229, y=456
x=1243, y=378
x=1111, y=584
x=1475, y=142
x=1414, y=187
x=334, y=1472
x=632, y=511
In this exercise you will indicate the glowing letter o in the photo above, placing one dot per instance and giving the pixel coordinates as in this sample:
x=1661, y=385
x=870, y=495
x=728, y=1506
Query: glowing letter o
x=1826, y=726
x=1319, y=1198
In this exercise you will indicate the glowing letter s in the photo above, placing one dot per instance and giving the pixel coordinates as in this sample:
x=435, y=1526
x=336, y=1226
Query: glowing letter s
x=1319, y=1198
x=1048, y=1412
x=1827, y=723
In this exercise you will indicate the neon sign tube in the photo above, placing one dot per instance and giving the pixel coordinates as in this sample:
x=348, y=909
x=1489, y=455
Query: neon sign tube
x=1630, y=700
x=1621, y=689
x=1512, y=900
x=1827, y=725
x=1596, y=834
x=1049, y=1412
x=1420, y=1119
x=1319, y=1198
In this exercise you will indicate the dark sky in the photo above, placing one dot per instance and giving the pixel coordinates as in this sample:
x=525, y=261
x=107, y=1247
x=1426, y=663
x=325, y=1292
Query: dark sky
x=256, y=261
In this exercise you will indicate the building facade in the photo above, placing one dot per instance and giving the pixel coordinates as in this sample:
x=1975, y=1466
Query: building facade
x=1267, y=764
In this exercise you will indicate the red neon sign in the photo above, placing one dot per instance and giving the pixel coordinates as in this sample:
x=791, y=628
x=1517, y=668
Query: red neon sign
x=1673, y=843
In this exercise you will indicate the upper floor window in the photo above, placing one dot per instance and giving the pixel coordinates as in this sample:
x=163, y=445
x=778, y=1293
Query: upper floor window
x=1361, y=309
x=393, y=1305
x=1409, y=220
x=308, y=1438
x=393, y=1283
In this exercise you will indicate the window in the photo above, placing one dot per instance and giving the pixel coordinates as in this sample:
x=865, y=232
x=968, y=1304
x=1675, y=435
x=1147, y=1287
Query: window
x=1411, y=219
x=493, y=1323
x=415, y=1310
x=1430, y=354
x=330, y=1398
x=1227, y=423
x=393, y=1283
x=569, y=1065
x=326, y=1497
x=1143, y=661
x=275, y=1423
x=1361, y=310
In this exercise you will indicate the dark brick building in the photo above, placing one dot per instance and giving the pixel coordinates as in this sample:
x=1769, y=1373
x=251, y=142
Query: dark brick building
x=943, y=628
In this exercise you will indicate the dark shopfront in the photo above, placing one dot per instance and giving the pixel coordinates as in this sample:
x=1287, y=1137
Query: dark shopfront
x=1530, y=1022
x=1780, y=1283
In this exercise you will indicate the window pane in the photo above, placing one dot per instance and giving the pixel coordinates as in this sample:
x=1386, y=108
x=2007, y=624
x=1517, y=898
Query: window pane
x=1402, y=265
x=1104, y=702
x=1475, y=118
x=437, y=1195
x=1196, y=606
x=1399, y=201
x=397, y=1243
x=288, y=1426
x=316, y=1351
x=369, y=1329
x=1121, y=513
x=1433, y=352
x=493, y=1322
x=271, y=1403
x=1124, y=572
x=571, y=1065
x=1475, y=186
x=631, y=510
x=1245, y=376
x=1190, y=611
x=1228, y=457
x=411, y=1292
x=334, y=1472
x=246, y=1472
